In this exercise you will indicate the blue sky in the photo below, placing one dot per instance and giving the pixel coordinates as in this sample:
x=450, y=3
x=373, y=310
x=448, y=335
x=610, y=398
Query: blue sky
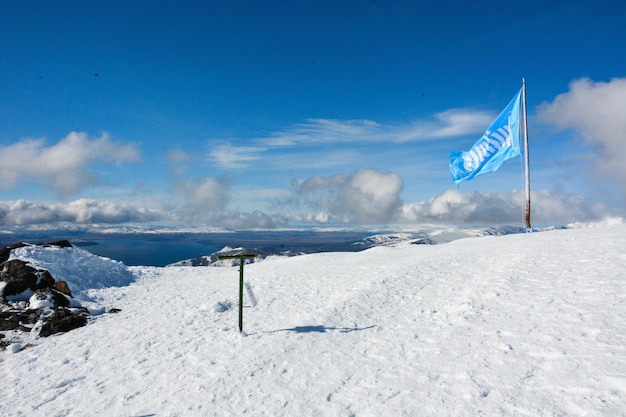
x=246, y=114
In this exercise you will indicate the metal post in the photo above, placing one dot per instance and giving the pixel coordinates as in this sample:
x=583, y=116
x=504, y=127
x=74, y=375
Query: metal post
x=241, y=258
x=526, y=161
x=241, y=262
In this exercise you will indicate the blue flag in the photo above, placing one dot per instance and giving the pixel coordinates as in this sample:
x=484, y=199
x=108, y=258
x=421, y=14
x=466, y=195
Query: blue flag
x=499, y=143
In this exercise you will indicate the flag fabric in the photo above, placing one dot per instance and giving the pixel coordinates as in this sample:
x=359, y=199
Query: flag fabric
x=499, y=143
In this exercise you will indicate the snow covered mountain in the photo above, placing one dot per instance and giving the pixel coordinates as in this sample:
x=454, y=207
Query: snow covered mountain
x=522, y=324
x=436, y=236
x=422, y=237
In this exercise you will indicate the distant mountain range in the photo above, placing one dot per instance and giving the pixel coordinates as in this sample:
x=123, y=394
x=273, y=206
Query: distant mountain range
x=288, y=247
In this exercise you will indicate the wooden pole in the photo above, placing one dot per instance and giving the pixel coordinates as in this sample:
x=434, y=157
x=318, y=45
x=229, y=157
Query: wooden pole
x=242, y=261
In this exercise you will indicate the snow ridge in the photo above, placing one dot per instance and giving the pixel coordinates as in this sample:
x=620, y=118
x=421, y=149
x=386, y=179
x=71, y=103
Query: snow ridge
x=82, y=270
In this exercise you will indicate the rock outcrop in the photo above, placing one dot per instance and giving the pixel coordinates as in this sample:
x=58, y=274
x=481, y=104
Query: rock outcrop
x=32, y=301
x=20, y=278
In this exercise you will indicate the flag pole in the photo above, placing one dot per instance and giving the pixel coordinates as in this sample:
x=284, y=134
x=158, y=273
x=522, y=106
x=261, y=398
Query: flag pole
x=526, y=160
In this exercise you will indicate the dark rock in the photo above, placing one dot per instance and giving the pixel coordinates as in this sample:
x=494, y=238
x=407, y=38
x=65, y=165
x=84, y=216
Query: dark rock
x=61, y=286
x=114, y=310
x=56, y=298
x=84, y=311
x=59, y=243
x=59, y=298
x=17, y=319
x=62, y=321
x=5, y=253
x=19, y=277
x=9, y=321
x=30, y=317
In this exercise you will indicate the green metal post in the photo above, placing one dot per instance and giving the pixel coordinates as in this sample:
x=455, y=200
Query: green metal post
x=241, y=258
x=241, y=262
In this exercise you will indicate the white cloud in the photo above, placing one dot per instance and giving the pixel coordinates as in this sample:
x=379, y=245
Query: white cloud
x=179, y=161
x=597, y=111
x=450, y=123
x=456, y=207
x=446, y=124
x=458, y=122
x=65, y=166
x=90, y=212
x=82, y=211
x=201, y=199
x=253, y=220
x=327, y=131
x=232, y=157
x=97, y=211
x=364, y=196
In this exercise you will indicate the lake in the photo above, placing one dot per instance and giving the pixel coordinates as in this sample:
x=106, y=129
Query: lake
x=160, y=249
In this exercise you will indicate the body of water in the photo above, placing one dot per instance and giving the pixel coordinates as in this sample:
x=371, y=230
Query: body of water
x=138, y=251
x=152, y=249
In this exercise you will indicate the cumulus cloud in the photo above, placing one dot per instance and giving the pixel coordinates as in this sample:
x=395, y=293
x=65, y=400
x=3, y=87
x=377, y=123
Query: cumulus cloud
x=455, y=207
x=90, y=212
x=364, y=196
x=597, y=111
x=254, y=220
x=206, y=199
x=179, y=161
x=196, y=199
x=82, y=211
x=201, y=199
x=65, y=166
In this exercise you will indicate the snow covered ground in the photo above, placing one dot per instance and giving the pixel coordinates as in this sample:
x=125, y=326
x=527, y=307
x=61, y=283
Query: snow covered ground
x=516, y=325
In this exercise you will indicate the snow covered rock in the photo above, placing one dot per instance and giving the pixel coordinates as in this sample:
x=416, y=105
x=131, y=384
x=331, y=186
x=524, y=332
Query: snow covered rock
x=31, y=301
x=11, y=319
x=80, y=269
x=62, y=320
x=47, y=298
x=21, y=279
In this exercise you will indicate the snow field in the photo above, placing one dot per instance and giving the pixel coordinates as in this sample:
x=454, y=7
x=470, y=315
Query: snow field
x=518, y=325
